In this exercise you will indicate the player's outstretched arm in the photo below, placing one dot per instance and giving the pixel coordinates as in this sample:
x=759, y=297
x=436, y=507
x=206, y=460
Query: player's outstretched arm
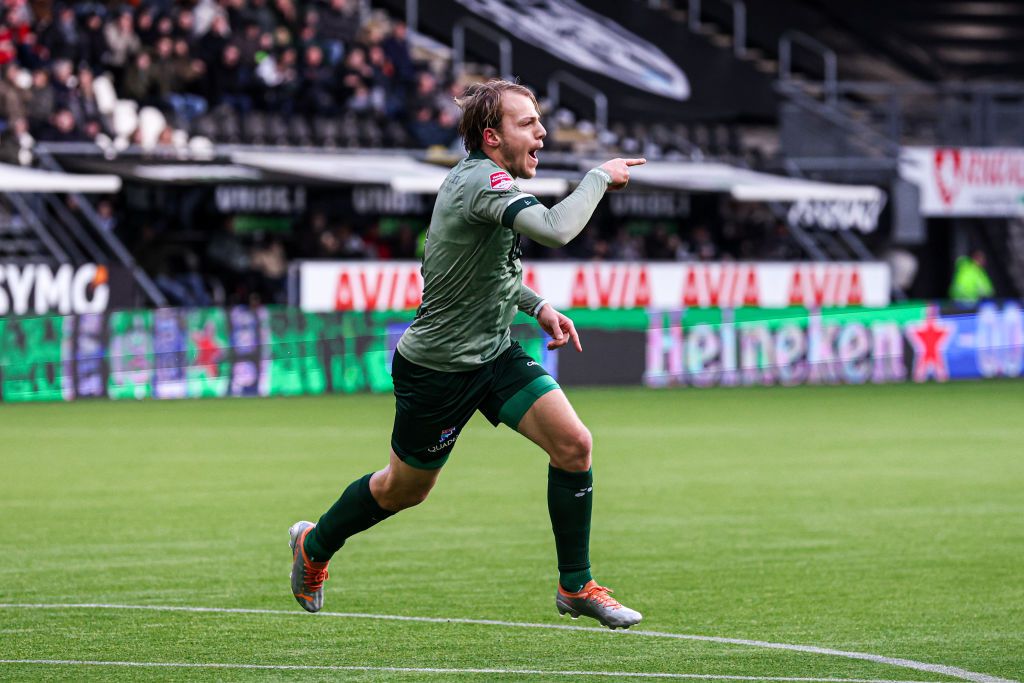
x=560, y=328
x=557, y=226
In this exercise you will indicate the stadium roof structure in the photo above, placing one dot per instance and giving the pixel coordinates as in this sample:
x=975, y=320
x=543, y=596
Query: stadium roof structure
x=746, y=185
x=21, y=179
x=401, y=173
x=407, y=172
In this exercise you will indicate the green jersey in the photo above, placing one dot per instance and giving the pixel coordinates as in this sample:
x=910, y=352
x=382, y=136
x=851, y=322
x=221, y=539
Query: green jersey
x=472, y=276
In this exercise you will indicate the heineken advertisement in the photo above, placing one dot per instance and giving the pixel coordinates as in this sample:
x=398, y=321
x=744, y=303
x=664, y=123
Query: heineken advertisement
x=278, y=351
x=916, y=342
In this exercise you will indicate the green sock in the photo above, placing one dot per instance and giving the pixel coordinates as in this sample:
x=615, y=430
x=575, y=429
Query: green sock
x=570, y=501
x=355, y=511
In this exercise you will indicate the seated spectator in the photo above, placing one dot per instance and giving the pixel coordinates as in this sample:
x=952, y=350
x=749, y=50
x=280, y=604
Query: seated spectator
x=316, y=85
x=122, y=43
x=355, y=73
x=259, y=12
x=186, y=26
x=430, y=129
x=287, y=11
x=702, y=245
x=83, y=98
x=63, y=128
x=231, y=82
x=166, y=80
x=16, y=143
x=62, y=38
x=250, y=43
x=339, y=23
x=139, y=79
x=278, y=77
x=63, y=82
x=211, y=46
x=8, y=48
x=94, y=41
x=13, y=92
x=396, y=47
x=186, y=101
x=41, y=99
x=145, y=27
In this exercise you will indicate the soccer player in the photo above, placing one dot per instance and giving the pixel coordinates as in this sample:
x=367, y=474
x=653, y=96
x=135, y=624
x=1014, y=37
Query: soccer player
x=457, y=356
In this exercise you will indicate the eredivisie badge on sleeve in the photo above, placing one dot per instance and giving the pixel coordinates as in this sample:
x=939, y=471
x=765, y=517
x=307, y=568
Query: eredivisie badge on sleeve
x=501, y=180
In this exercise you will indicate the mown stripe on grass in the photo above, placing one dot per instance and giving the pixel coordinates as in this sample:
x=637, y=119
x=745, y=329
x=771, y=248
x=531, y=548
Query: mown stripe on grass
x=439, y=670
x=942, y=669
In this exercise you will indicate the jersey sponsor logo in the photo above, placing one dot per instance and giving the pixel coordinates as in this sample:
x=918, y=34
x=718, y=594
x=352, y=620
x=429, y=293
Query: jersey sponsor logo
x=500, y=180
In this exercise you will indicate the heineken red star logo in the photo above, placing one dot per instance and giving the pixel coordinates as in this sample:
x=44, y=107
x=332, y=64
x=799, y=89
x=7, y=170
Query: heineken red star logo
x=930, y=339
x=208, y=352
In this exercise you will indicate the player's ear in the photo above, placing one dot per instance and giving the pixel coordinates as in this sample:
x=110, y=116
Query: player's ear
x=491, y=137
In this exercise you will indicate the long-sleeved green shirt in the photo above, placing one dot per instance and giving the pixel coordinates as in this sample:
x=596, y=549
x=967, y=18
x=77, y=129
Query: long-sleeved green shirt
x=472, y=275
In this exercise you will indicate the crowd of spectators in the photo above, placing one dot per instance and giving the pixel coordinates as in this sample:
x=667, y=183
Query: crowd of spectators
x=313, y=59
x=63, y=65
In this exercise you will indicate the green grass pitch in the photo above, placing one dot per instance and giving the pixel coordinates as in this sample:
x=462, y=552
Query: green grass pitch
x=884, y=519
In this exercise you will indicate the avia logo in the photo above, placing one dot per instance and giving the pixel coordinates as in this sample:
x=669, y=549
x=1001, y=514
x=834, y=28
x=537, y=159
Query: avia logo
x=583, y=492
x=948, y=173
x=531, y=363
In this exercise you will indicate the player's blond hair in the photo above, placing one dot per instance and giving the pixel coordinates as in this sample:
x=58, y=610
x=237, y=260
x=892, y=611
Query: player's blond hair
x=481, y=109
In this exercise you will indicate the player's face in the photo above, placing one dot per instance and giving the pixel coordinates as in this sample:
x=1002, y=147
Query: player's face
x=521, y=135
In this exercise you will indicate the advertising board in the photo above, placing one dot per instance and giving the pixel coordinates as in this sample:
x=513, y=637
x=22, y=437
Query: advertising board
x=324, y=286
x=280, y=351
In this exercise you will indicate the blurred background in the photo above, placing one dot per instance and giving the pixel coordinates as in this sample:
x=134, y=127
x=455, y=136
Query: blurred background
x=230, y=197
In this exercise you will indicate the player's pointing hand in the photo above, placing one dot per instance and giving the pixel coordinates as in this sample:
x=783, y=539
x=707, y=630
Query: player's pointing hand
x=618, y=169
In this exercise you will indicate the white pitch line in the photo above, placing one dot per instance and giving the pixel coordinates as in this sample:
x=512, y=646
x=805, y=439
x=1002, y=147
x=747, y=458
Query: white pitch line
x=941, y=669
x=439, y=670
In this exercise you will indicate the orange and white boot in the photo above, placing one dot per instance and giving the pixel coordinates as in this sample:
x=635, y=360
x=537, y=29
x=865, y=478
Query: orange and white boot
x=307, y=577
x=594, y=601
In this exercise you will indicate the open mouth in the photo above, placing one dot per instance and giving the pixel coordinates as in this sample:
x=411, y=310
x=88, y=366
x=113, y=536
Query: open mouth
x=533, y=154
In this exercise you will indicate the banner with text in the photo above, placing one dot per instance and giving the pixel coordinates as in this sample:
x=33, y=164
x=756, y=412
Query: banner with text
x=966, y=181
x=322, y=286
x=277, y=351
x=914, y=342
x=38, y=288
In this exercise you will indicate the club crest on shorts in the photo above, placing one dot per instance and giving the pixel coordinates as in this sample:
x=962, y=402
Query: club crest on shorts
x=446, y=433
x=500, y=180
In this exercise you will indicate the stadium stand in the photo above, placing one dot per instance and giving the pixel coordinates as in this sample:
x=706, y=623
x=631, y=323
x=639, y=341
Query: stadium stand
x=164, y=81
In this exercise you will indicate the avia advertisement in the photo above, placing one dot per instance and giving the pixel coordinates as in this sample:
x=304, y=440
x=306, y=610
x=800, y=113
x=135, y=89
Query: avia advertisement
x=323, y=286
x=966, y=181
x=278, y=351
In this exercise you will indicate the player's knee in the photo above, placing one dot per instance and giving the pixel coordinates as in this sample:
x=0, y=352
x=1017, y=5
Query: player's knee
x=412, y=498
x=395, y=495
x=574, y=450
x=396, y=500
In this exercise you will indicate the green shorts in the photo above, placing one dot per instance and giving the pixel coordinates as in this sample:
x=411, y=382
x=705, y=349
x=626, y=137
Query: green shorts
x=432, y=407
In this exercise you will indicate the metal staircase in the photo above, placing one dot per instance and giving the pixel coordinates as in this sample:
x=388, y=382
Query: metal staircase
x=42, y=228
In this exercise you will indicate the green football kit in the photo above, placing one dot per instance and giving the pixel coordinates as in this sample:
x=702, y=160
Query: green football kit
x=457, y=356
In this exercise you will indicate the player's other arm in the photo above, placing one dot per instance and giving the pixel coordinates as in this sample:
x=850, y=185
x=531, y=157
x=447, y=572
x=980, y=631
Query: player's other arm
x=557, y=226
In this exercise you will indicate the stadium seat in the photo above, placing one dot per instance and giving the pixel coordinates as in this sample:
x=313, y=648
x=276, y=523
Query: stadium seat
x=254, y=128
x=151, y=124
x=326, y=132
